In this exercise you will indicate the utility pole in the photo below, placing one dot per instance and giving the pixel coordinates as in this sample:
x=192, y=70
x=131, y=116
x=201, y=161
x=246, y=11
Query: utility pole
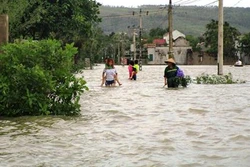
x=140, y=36
x=140, y=43
x=119, y=53
x=220, y=39
x=170, y=29
x=90, y=57
x=122, y=50
x=134, y=44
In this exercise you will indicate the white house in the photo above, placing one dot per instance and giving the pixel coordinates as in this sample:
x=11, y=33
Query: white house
x=181, y=48
x=176, y=34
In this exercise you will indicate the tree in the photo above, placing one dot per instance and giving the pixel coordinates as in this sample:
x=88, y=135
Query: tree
x=245, y=44
x=193, y=41
x=157, y=33
x=67, y=20
x=230, y=37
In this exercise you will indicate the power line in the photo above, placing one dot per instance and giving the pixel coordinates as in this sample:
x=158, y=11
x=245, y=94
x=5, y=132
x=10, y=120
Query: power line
x=237, y=3
x=181, y=2
x=186, y=1
x=211, y=3
x=113, y=16
x=130, y=15
x=189, y=1
x=165, y=20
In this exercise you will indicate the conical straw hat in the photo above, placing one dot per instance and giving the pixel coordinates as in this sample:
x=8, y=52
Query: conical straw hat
x=170, y=60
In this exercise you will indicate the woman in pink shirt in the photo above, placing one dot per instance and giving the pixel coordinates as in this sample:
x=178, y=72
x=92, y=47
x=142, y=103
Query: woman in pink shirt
x=130, y=68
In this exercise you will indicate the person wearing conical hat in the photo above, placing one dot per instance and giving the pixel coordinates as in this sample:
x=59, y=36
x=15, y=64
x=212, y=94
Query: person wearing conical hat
x=170, y=73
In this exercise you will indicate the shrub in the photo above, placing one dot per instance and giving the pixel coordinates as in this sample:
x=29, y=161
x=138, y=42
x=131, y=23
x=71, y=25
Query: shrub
x=36, y=79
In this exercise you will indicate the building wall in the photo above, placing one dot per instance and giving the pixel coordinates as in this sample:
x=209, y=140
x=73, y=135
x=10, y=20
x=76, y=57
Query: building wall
x=158, y=55
x=196, y=59
x=181, y=42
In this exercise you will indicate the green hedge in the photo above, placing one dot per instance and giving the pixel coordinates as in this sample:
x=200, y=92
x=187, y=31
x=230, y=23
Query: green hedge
x=36, y=79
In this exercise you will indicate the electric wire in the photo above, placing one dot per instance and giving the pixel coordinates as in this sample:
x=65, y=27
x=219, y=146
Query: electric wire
x=131, y=15
x=193, y=1
x=182, y=2
x=237, y=3
x=189, y=2
x=210, y=3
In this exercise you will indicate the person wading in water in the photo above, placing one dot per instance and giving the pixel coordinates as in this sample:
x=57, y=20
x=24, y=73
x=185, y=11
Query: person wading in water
x=170, y=74
x=109, y=75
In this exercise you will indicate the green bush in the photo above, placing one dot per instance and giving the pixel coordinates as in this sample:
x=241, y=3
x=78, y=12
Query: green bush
x=36, y=79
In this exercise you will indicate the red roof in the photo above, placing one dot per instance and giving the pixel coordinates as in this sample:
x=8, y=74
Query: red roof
x=159, y=41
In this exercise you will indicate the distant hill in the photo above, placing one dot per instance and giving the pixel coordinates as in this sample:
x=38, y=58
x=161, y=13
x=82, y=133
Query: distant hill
x=191, y=20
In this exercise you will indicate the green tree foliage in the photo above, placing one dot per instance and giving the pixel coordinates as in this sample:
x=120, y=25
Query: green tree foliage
x=67, y=20
x=101, y=45
x=36, y=79
x=93, y=47
x=230, y=36
x=193, y=41
x=245, y=44
x=157, y=32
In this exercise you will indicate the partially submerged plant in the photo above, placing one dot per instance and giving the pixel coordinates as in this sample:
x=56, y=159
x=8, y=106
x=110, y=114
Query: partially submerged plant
x=183, y=81
x=217, y=79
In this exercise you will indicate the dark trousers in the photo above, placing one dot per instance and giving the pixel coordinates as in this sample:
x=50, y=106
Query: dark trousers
x=173, y=82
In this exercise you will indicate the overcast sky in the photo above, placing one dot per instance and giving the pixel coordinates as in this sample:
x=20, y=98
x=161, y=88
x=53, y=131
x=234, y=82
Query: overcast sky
x=135, y=3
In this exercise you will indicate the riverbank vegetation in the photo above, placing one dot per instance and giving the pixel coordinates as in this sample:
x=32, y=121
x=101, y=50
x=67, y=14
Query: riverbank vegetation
x=36, y=79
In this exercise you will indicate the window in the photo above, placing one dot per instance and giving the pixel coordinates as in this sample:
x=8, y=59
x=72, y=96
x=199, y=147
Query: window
x=150, y=57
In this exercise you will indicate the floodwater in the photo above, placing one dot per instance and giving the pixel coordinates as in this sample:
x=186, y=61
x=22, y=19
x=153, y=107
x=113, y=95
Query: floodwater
x=139, y=124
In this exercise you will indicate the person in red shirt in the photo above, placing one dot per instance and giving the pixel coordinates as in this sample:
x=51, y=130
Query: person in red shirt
x=130, y=68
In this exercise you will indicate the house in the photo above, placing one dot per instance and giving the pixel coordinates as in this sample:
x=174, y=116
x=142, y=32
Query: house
x=159, y=42
x=159, y=53
x=179, y=39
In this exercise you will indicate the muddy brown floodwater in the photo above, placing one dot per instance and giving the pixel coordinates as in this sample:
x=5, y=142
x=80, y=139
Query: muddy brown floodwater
x=139, y=124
